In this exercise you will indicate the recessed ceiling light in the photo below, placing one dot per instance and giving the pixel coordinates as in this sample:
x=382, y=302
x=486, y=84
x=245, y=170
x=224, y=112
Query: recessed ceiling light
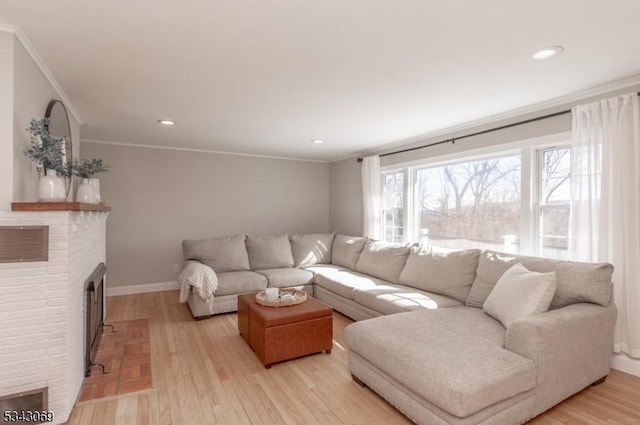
x=317, y=141
x=546, y=53
x=166, y=122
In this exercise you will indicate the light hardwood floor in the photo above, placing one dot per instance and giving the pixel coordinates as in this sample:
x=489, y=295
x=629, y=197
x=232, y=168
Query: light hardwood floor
x=204, y=373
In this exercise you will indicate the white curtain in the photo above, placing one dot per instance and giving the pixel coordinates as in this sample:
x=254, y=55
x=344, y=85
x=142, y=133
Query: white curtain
x=371, y=195
x=605, y=203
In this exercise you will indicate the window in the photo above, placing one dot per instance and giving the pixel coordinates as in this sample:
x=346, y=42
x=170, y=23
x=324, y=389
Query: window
x=393, y=206
x=513, y=201
x=469, y=204
x=553, y=202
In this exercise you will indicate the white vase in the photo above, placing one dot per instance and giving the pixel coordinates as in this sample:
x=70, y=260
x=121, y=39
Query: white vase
x=85, y=192
x=95, y=182
x=51, y=188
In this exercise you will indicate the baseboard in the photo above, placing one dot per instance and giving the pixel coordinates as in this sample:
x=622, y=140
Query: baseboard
x=626, y=364
x=141, y=289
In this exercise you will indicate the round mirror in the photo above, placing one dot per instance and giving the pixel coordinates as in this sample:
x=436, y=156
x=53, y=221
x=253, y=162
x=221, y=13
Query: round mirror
x=59, y=127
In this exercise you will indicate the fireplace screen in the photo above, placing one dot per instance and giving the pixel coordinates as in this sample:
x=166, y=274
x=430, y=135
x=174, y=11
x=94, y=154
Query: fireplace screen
x=94, y=314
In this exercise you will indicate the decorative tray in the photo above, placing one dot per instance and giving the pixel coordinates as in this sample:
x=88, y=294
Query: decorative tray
x=287, y=297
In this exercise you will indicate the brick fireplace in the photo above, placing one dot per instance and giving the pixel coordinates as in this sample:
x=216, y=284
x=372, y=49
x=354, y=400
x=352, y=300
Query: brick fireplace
x=42, y=307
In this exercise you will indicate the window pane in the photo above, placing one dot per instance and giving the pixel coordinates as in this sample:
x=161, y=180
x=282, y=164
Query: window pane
x=470, y=204
x=554, y=231
x=393, y=206
x=556, y=170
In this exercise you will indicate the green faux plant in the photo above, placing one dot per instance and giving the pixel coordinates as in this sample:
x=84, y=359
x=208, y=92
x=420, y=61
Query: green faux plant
x=46, y=150
x=88, y=168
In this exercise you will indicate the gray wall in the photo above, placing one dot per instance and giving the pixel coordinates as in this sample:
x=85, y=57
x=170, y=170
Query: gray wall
x=24, y=95
x=32, y=93
x=345, y=188
x=6, y=120
x=160, y=197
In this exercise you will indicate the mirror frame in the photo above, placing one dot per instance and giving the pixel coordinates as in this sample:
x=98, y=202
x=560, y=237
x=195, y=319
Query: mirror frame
x=68, y=148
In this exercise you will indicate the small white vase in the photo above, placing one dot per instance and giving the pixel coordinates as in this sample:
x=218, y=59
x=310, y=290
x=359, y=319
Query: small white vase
x=51, y=188
x=95, y=183
x=85, y=192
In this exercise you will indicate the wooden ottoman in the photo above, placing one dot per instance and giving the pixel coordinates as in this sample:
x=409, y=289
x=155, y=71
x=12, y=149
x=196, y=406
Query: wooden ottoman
x=282, y=333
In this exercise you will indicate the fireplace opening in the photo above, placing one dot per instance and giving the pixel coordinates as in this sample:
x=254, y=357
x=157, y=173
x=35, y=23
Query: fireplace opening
x=94, y=316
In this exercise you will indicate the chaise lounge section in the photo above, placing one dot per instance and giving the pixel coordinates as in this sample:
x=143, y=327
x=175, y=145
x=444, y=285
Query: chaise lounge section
x=460, y=365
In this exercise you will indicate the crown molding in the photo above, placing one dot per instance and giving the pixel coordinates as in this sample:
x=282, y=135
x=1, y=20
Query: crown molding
x=31, y=50
x=549, y=106
x=173, y=148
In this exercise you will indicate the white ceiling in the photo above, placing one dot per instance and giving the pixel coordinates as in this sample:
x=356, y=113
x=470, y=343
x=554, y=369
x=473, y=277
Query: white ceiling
x=266, y=77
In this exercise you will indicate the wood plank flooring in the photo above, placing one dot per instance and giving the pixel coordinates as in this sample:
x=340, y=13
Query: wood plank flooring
x=203, y=373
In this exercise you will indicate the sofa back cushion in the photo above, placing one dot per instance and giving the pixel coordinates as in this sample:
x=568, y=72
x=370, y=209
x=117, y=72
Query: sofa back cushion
x=384, y=260
x=576, y=282
x=311, y=248
x=346, y=250
x=269, y=252
x=441, y=271
x=228, y=254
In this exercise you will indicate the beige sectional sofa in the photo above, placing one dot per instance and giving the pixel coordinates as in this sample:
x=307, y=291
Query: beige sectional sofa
x=430, y=347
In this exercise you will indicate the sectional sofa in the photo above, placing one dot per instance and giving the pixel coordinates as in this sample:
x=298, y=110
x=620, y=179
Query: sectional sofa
x=454, y=337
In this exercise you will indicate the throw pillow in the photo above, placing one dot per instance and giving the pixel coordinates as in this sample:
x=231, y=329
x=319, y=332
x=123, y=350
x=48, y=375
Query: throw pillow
x=519, y=293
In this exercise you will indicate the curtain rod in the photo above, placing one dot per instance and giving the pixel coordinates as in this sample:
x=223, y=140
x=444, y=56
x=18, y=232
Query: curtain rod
x=478, y=133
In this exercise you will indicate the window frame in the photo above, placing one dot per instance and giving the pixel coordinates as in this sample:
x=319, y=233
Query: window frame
x=539, y=206
x=531, y=151
x=404, y=197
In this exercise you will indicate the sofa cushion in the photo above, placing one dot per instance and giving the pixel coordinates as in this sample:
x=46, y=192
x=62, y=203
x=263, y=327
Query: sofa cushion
x=520, y=293
x=221, y=254
x=453, y=358
x=576, y=282
x=324, y=269
x=346, y=250
x=269, y=252
x=390, y=299
x=286, y=277
x=232, y=283
x=441, y=271
x=344, y=282
x=311, y=248
x=383, y=260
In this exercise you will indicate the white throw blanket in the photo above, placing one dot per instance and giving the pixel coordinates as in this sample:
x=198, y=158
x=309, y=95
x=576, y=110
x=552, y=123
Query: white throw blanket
x=201, y=278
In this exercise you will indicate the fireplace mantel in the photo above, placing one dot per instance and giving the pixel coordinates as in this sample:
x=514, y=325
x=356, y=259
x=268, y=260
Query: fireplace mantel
x=57, y=206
